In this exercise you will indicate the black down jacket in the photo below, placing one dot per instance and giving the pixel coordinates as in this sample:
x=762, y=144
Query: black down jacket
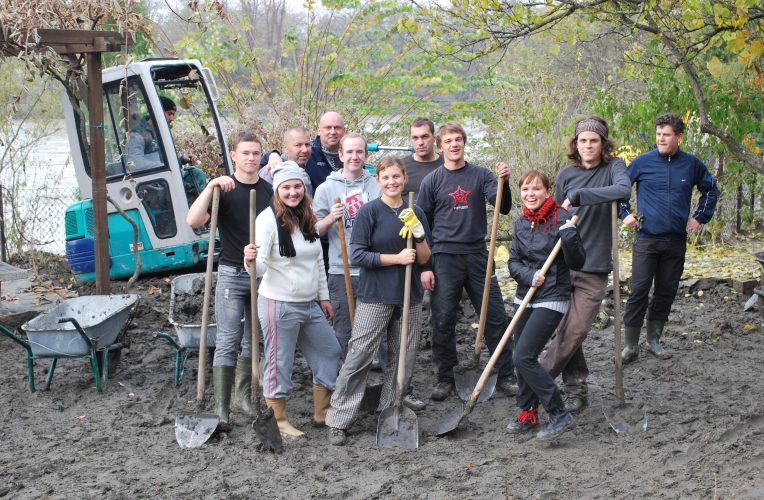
x=532, y=246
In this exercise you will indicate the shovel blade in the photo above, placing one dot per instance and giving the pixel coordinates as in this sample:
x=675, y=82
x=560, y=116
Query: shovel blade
x=267, y=431
x=452, y=420
x=194, y=429
x=371, y=396
x=626, y=419
x=398, y=428
x=467, y=380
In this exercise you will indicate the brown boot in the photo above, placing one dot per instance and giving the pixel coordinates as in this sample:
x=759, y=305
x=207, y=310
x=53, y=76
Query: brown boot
x=279, y=411
x=321, y=402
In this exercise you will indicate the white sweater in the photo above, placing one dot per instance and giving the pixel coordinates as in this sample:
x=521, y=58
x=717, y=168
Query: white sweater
x=297, y=279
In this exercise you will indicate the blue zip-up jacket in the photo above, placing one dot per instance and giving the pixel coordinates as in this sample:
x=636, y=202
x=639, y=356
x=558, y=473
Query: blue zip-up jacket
x=664, y=193
x=318, y=166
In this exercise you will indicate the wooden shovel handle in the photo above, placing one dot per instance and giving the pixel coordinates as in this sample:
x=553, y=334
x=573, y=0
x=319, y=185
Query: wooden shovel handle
x=200, y=378
x=489, y=268
x=401, y=379
x=253, y=300
x=346, y=266
x=617, y=306
x=508, y=332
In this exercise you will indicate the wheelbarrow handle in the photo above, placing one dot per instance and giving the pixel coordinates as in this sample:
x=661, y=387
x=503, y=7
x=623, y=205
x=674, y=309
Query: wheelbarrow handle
x=168, y=338
x=76, y=324
x=23, y=343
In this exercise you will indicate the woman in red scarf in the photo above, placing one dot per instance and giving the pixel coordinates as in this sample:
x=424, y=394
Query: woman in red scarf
x=534, y=237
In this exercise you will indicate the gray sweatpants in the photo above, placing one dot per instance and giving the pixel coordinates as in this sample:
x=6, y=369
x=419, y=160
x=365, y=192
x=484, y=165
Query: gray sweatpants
x=372, y=323
x=289, y=324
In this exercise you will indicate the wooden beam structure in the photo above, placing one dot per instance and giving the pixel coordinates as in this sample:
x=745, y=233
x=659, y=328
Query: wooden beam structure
x=91, y=43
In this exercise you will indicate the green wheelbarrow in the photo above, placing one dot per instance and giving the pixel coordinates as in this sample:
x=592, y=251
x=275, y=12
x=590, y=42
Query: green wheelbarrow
x=81, y=327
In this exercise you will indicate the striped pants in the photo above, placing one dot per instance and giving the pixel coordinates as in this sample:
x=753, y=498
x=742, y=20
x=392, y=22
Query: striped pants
x=372, y=323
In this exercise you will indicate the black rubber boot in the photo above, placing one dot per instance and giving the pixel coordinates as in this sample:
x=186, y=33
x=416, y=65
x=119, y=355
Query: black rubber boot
x=654, y=332
x=242, y=392
x=560, y=420
x=630, y=351
x=222, y=383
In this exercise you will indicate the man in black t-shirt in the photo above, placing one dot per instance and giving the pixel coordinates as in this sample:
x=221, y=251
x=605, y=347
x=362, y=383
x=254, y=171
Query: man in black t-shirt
x=454, y=199
x=424, y=159
x=232, y=366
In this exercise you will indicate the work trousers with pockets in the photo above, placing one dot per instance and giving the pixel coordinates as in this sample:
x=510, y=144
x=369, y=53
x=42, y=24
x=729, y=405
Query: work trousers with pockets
x=532, y=332
x=373, y=323
x=454, y=272
x=232, y=296
x=657, y=263
x=289, y=324
x=565, y=353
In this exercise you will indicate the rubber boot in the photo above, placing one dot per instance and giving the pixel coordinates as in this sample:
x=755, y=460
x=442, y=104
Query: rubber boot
x=630, y=351
x=279, y=411
x=654, y=332
x=242, y=387
x=321, y=402
x=222, y=383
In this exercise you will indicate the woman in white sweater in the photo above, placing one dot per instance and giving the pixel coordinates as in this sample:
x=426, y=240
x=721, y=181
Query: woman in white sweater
x=293, y=303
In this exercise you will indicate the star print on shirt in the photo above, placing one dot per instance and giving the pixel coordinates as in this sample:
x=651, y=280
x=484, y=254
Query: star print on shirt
x=460, y=197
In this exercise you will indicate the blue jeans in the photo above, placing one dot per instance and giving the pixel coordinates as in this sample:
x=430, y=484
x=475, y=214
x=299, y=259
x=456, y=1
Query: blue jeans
x=452, y=274
x=232, y=296
x=287, y=325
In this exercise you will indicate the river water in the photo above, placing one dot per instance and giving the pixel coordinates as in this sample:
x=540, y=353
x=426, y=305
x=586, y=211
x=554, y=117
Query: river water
x=36, y=197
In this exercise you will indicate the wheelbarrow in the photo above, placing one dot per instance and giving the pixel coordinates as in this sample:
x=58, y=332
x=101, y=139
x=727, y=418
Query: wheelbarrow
x=81, y=327
x=188, y=333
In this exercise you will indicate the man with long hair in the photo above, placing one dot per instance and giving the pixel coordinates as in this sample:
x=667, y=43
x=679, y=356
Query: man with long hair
x=586, y=187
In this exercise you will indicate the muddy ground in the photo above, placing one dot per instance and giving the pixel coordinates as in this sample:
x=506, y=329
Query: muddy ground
x=704, y=437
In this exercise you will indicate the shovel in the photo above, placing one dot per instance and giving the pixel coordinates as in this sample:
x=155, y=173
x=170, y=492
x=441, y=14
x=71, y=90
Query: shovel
x=457, y=415
x=466, y=378
x=623, y=418
x=265, y=426
x=373, y=392
x=346, y=267
x=194, y=429
x=397, y=425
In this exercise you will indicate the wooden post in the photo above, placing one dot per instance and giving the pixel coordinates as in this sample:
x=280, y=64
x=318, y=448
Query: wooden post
x=98, y=173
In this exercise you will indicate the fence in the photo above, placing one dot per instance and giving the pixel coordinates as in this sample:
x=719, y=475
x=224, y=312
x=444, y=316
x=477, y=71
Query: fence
x=33, y=218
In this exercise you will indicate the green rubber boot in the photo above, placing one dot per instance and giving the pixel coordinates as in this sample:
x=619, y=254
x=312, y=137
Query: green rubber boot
x=222, y=383
x=242, y=387
x=654, y=332
x=630, y=351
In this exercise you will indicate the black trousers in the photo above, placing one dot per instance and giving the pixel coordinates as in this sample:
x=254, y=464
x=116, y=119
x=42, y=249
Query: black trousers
x=532, y=332
x=452, y=274
x=659, y=263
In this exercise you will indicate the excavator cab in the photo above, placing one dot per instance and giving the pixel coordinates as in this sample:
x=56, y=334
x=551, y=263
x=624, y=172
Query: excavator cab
x=163, y=141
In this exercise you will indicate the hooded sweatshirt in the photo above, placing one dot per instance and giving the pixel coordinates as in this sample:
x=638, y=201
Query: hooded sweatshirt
x=353, y=194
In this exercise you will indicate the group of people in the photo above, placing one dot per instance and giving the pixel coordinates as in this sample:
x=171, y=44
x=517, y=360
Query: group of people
x=313, y=187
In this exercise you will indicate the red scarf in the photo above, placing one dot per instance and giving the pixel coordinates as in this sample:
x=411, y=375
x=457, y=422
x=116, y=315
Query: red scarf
x=544, y=212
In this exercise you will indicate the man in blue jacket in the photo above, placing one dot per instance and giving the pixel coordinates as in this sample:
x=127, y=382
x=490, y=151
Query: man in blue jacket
x=665, y=178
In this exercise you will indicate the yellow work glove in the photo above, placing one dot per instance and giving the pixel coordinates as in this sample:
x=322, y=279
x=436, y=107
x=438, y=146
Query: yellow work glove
x=411, y=226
